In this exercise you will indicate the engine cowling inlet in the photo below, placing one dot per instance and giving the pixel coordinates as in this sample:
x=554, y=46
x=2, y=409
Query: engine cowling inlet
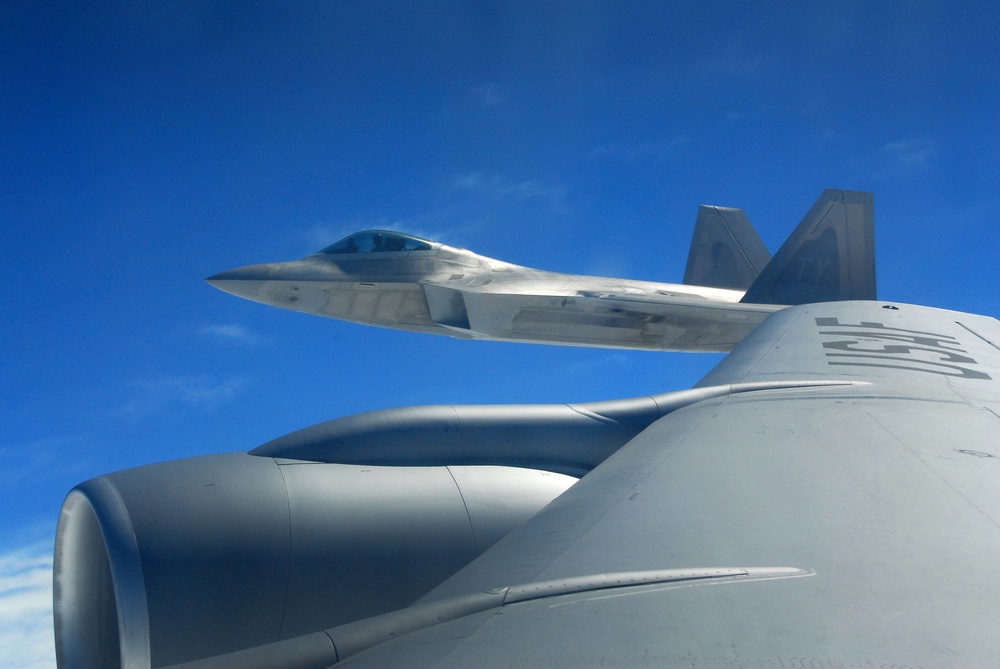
x=188, y=559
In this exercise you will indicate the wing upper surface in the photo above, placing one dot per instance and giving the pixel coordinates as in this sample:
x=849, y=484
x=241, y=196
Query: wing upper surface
x=882, y=493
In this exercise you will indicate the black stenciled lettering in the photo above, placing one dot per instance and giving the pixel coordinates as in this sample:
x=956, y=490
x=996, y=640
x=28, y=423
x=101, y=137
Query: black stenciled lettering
x=851, y=345
x=829, y=322
x=908, y=349
x=937, y=341
x=941, y=368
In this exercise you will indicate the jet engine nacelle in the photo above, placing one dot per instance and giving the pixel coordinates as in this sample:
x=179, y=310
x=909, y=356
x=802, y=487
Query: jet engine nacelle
x=184, y=560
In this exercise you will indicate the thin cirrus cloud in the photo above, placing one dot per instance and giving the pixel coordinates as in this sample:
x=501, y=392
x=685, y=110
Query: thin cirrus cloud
x=488, y=94
x=639, y=151
x=496, y=187
x=202, y=392
x=26, y=607
x=909, y=154
x=232, y=333
x=907, y=157
x=736, y=62
x=39, y=460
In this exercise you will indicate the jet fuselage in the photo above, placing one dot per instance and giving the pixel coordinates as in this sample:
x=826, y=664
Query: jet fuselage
x=411, y=284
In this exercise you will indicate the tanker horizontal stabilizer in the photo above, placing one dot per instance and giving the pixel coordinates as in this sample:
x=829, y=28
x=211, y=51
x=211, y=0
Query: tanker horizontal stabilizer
x=828, y=258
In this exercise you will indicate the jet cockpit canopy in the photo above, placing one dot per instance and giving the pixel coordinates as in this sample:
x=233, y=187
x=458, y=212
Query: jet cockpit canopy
x=378, y=241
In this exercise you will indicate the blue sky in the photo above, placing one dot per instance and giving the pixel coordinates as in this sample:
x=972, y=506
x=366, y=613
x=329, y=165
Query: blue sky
x=146, y=146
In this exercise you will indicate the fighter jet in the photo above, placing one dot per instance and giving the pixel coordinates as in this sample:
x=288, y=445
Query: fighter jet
x=395, y=280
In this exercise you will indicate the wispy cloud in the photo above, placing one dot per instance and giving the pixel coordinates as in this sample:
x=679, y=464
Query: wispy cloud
x=34, y=461
x=653, y=150
x=232, y=333
x=26, y=607
x=202, y=392
x=610, y=363
x=496, y=187
x=909, y=154
x=902, y=158
x=736, y=62
x=488, y=94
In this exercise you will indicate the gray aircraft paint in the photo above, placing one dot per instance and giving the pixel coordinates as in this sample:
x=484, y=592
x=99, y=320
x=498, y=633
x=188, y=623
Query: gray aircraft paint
x=423, y=286
x=830, y=256
x=882, y=489
x=826, y=496
x=726, y=252
x=840, y=522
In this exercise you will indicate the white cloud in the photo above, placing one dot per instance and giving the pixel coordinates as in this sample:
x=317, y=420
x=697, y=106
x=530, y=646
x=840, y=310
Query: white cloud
x=39, y=460
x=232, y=332
x=735, y=62
x=496, y=187
x=26, y=608
x=198, y=392
x=610, y=363
x=488, y=94
x=902, y=158
x=653, y=150
x=908, y=154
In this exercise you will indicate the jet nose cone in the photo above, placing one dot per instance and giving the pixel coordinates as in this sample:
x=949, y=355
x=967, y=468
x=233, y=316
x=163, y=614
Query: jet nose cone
x=242, y=281
x=248, y=273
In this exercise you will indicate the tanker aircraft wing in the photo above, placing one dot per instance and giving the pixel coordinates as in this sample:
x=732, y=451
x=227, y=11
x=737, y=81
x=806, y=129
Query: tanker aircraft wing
x=394, y=280
x=826, y=497
x=839, y=519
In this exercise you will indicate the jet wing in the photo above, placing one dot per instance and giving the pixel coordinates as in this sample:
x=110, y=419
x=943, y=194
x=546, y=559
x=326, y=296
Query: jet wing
x=852, y=524
x=658, y=321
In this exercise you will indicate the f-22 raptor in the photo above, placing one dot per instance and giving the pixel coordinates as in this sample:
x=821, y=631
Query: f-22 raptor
x=394, y=280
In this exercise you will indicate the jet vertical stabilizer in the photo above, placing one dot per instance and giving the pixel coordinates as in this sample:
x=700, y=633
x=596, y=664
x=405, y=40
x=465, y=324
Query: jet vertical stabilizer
x=829, y=257
x=726, y=251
